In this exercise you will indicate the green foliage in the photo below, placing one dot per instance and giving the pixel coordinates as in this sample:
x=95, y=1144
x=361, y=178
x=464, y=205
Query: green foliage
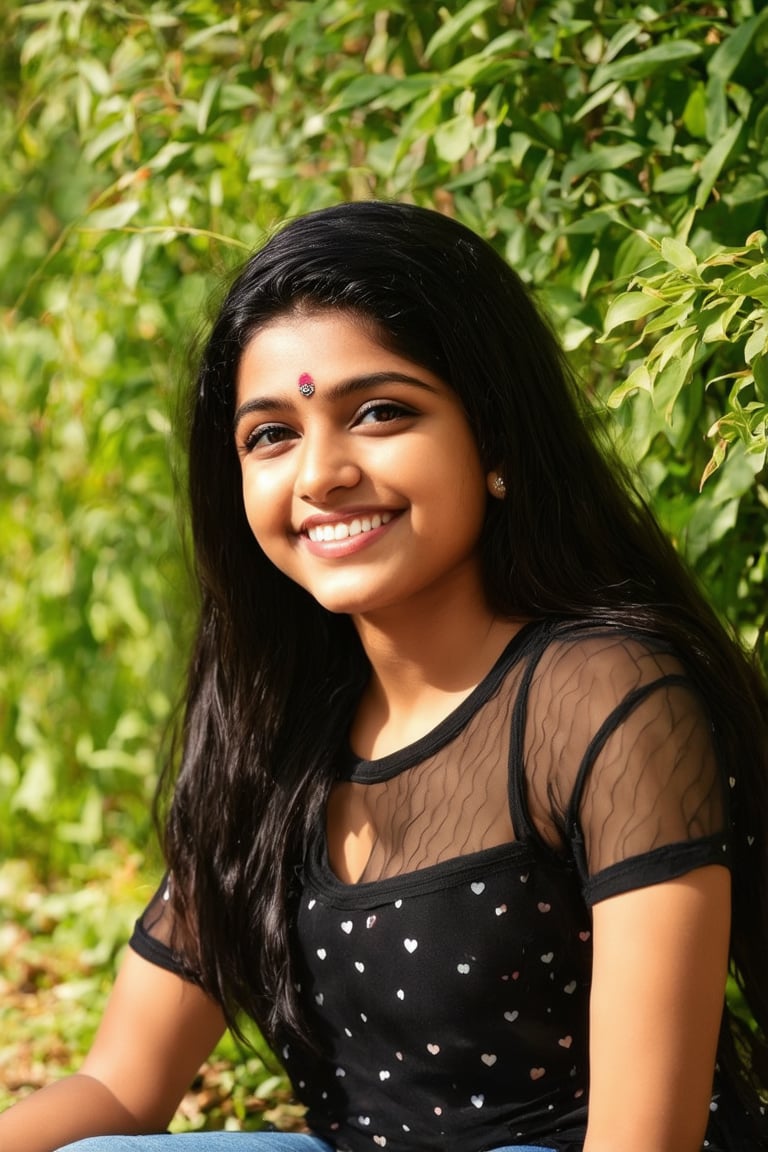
x=57, y=948
x=614, y=153
x=701, y=328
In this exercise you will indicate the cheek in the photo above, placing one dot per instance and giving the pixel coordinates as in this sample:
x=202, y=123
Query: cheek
x=262, y=509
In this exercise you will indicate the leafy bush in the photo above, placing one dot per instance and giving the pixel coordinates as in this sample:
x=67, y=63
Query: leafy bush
x=616, y=154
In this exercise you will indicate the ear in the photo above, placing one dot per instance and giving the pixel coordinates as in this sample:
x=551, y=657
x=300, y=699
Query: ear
x=496, y=485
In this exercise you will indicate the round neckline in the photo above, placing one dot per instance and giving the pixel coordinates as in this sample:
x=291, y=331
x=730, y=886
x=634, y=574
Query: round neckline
x=358, y=769
x=443, y=874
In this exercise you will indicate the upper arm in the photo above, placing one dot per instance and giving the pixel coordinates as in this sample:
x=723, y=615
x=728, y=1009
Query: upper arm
x=632, y=780
x=660, y=965
x=156, y=1031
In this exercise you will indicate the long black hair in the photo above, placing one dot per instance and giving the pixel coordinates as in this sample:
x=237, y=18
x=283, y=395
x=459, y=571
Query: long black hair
x=273, y=675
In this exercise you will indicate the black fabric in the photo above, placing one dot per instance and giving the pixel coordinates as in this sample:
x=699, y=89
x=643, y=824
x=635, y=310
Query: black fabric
x=448, y=989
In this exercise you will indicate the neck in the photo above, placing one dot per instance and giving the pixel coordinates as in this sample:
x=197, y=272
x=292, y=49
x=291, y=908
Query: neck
x=423, y=663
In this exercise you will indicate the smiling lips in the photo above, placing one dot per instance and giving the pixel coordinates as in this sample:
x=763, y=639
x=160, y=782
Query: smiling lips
x=341, y=530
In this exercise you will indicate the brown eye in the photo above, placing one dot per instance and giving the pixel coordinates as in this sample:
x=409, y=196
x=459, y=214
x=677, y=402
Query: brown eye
x=266, y=435
x=383, y=412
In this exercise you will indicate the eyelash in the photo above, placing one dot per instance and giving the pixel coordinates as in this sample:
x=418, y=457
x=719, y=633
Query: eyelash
x=258, y=437
x=379, y=406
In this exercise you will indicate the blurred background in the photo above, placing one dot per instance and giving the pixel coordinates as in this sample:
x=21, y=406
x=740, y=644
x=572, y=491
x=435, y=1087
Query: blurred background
x=616, y=154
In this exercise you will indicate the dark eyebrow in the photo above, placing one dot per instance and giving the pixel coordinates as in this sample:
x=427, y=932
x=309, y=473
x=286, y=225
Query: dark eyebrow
x=336, y=392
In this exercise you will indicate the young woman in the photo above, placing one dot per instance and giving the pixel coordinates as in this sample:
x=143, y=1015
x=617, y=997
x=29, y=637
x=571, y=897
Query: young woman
x=470, y=813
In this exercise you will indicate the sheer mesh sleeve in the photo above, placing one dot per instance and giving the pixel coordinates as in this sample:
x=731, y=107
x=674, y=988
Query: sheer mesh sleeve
x=621, y=763
x=153, y=934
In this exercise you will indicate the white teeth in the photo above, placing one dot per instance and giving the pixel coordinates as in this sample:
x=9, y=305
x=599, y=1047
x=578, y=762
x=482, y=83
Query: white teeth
x=325, y=533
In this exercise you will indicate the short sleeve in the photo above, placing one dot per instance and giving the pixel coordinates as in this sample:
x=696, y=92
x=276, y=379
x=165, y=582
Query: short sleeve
x=632, y=781
x=154, y=935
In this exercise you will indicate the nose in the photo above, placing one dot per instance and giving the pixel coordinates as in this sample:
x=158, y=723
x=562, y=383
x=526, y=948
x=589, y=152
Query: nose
x=325, y=464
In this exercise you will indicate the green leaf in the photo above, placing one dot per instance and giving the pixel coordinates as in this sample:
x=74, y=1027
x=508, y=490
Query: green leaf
x=757, y=344
x=673, y=316
x=367, y=90
x=133, y=261
x=590, y=267
x=210, y=92
x=455, y=27
x=760, y=373
x=36, y=792
x=626, y=33
x=717, y=329
x=679, y=255
x=453, y=139
x=630, y=306
x=45, y=10
x=714, y=462
x=748, y=189
x=205, y=35
x=672, y=345
x=237, y=96
x=675, y=180
x=95, y=75
x=659, y=58
x=167, y=154
x=602, y=96
x=715, y=160
x=111, y=759
x=695, y=112
x=114, y=217
x=716, y=109
x=114, y=134
x=677, y=361
x=601, y=160
x=638, y=379
x=727, y=57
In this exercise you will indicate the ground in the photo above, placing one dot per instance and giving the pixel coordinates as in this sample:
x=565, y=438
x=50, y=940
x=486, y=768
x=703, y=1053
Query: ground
x=59, y=943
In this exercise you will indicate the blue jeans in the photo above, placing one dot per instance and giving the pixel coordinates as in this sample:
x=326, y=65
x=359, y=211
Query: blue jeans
x=223, y=1142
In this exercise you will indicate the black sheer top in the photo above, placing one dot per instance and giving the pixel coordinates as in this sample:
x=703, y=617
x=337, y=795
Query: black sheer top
x=448, y=990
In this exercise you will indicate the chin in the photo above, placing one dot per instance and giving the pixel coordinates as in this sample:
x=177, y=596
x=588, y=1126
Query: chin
x=350, y=603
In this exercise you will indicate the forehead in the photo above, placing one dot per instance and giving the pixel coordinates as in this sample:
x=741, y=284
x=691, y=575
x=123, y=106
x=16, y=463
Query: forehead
x=328, y=346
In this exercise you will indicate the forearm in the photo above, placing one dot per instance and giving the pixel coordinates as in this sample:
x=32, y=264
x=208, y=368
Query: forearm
x=71, y=1109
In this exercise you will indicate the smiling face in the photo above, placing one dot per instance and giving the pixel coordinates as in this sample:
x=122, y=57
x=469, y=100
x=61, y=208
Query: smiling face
x=369, y=491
